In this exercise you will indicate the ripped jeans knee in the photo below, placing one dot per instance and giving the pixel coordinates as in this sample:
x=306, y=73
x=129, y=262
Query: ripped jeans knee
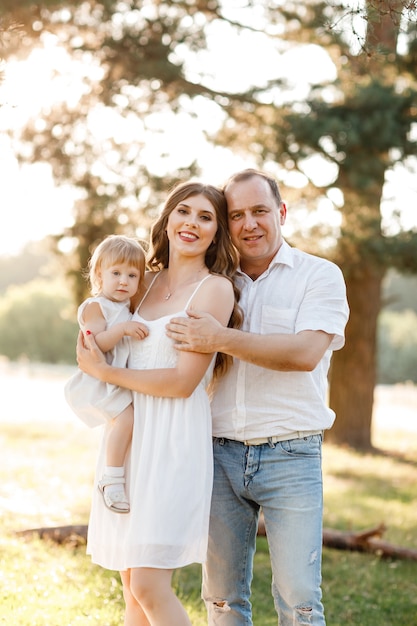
x=304, y=615
x=221, y=605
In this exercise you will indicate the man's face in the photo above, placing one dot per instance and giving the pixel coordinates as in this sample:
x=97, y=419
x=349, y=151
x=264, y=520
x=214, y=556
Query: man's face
x=255, y=221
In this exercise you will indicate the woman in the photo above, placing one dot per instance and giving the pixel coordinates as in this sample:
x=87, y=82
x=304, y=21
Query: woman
x=169, y=473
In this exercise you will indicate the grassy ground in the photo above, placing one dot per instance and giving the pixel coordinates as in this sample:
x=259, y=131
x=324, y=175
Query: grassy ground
x=45, y=480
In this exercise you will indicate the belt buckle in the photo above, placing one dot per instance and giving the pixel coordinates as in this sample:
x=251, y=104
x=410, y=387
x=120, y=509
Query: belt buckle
x=256, y=441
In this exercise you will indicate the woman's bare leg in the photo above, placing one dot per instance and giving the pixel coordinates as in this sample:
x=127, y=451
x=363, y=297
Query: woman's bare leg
x=153, y=592
x=134, y=615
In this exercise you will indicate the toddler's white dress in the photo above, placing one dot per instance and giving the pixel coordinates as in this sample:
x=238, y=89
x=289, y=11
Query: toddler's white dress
x=169, y=471
x=93, y=401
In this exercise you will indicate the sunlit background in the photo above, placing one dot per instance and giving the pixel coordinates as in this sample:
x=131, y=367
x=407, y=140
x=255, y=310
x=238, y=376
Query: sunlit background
x=36, y=206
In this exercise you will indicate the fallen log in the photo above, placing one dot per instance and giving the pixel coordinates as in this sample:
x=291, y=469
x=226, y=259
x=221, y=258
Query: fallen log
x=73, y=535
x=368, y=541
x=362, y=541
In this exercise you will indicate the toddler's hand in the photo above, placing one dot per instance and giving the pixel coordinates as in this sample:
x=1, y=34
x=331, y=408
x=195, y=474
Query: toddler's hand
x=136, y=330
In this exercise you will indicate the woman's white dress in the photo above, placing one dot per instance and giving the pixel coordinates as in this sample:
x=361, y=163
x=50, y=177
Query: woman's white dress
x=169, y=471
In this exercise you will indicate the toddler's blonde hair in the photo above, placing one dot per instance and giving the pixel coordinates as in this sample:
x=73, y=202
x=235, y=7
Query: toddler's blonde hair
x=113, y=250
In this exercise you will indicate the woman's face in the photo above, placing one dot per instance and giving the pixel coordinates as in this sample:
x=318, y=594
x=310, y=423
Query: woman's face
x=192, y=226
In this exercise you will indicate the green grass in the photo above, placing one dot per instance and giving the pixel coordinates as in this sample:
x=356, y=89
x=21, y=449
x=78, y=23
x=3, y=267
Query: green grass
x=43, y=584
x=46, y=474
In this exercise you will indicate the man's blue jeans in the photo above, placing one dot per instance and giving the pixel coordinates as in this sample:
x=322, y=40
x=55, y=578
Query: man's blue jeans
x=285, y=479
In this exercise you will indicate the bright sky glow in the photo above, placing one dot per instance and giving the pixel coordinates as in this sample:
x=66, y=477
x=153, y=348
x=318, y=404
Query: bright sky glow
x=33, y=205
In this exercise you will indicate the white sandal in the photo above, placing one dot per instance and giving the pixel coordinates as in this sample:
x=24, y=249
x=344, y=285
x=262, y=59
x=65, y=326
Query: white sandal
x=116, y=500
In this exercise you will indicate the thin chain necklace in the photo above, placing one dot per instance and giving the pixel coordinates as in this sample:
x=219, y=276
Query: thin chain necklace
x=171, y=292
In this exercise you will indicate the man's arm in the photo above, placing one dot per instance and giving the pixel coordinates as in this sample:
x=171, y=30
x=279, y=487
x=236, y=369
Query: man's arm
x=299, y=352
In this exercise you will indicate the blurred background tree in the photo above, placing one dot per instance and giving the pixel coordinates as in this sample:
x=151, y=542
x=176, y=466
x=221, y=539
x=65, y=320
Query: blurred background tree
x=332, y=146
x=37, y=323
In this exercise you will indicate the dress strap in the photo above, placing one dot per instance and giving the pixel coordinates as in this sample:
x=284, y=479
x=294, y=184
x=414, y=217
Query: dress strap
x=148, y=290
x=195, y=291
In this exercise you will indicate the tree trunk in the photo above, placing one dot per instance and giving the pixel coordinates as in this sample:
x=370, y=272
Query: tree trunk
x=384, y=18
x=353, y=371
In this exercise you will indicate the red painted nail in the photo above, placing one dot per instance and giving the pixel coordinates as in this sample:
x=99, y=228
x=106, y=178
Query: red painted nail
x=88, y=332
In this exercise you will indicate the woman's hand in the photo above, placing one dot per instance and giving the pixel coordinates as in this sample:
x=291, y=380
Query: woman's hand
x=90, y=358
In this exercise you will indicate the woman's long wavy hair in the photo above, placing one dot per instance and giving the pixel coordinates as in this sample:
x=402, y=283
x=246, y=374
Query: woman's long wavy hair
x=221, y=256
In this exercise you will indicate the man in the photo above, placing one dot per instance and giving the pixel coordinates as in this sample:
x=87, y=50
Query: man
x=269, y=411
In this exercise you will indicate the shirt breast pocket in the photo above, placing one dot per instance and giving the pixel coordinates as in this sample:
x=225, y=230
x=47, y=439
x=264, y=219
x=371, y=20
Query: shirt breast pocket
x=277, y=320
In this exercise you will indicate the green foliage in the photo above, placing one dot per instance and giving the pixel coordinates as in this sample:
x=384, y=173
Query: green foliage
x=37, y=323
x=397, y=347
x=371, y=119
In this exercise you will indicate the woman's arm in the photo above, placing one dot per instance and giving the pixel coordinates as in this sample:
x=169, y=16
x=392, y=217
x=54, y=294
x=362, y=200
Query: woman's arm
x=216, y=297
x=175, y=382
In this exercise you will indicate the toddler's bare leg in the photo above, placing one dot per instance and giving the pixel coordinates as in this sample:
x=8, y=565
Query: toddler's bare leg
x=118, y=441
